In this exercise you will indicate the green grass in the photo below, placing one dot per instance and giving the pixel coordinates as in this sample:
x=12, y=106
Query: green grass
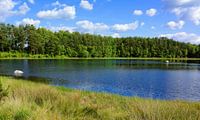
x=35, y=101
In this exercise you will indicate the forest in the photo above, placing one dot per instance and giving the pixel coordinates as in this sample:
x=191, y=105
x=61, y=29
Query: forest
x=31, y=40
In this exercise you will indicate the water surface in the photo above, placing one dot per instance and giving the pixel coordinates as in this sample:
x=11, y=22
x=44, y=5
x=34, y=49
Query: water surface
x=148, y=79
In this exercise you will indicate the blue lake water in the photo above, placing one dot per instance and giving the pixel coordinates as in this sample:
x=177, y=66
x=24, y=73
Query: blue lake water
x=147, y=79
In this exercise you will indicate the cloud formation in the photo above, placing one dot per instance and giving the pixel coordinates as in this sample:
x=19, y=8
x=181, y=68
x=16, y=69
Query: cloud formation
x=23, y=9
x=115, y=35
x=151, y=12
x=138, y=12
x=184, y=37
x=8, y=9
x=175, y=25
x=185, y=9
x=67, y=12
x=31, y=1
x=153, y=27
x=86, y=5
x=64, y=28
x=125, y=27
x=91, y=27
x=181, y=3
x=28, y=21
x=142, y=24
x=58, y=4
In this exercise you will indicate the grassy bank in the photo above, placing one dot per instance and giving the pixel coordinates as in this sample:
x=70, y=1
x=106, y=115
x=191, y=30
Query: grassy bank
x=35, y=101
x=17, y=55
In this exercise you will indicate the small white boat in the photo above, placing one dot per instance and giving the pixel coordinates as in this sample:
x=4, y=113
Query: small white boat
x=18, y=73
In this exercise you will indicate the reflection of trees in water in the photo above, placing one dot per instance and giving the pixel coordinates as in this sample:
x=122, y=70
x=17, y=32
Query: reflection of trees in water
x=159, y=65
x=25, y=67
x=42, y=65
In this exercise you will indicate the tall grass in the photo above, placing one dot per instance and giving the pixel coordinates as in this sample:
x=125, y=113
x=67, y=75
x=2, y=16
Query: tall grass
x=3, y=92
x=35, y=101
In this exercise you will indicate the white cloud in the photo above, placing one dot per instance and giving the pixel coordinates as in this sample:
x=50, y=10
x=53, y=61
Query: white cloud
x=86, y=5
x=176, y=25
x=181, y=3
x=142, y=24
x=116, y=35
x=91, y=27
x=178, y=11
x=137, y=12
x=65, y=28
x=153, y=27
x=193, y=14
x=57, y=3
x=125, y=27
x=23, y=9
x=185, y=9
x=68, y=12
x=151, y=12
x=8, y=9
x=31, y=1
x=184, y=37
x=28, y=21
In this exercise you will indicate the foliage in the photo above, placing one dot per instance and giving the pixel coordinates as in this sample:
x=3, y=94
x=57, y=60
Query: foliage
x=31, y=41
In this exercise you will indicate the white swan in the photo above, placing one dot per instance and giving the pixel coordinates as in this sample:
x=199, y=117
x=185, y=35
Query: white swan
x=18, y=73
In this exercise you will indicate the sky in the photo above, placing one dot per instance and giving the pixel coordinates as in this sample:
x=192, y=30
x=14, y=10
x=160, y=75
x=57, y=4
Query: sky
x=176, y=19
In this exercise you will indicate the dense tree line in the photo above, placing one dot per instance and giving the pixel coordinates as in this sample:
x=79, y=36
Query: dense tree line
x=31, y=40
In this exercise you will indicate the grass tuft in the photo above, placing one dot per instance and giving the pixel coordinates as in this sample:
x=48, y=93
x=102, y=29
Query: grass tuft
x=3, y=91
x=22, y=114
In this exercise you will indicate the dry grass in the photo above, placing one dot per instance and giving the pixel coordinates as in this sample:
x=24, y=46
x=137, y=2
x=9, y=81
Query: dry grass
x=35, y=101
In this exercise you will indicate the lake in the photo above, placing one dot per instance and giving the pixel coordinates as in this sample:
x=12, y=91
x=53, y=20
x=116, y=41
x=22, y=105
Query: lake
x=143, y=78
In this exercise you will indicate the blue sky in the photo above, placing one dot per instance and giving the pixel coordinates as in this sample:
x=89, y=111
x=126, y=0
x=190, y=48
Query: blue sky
x=177, y=19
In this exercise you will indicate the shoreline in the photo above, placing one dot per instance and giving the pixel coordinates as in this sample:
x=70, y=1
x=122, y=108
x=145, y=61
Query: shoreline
x=100, y=58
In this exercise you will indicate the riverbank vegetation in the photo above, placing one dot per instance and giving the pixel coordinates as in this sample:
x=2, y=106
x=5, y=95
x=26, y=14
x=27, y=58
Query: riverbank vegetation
x=35, y=101
x=28, y=41
x=18, y=55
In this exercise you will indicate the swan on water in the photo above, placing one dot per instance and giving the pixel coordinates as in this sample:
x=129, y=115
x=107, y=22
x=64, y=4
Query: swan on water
x=18, y=73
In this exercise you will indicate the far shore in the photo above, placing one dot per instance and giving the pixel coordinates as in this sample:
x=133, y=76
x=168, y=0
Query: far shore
x=21, y=55
x=99, y=58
